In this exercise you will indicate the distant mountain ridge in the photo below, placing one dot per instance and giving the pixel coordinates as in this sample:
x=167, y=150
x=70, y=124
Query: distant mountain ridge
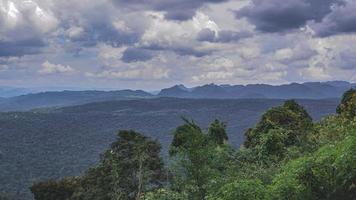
x=308, y=90
x=67, y=98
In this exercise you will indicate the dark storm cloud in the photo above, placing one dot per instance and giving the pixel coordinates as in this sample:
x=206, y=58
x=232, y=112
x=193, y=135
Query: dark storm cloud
x=175, y=9
x=341, y=20
x=277, y=16
x=136, y=54
x=20, y=48
x=183, y=51
x=222, y=36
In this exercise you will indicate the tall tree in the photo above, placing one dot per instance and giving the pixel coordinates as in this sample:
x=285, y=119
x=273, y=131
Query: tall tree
x=195, y=156
x=129, y=168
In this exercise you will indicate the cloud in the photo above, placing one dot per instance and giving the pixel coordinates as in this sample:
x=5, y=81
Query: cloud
x=176, y=36
x=136, y=54
x=274, y=16
x=10, y=48
x=174, y=9
x=340, y=20
x=223, y=36
x=49, y=68
x=165, y=42
x=24, y=25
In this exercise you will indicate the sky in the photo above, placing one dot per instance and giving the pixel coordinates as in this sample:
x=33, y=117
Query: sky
x=152, y=44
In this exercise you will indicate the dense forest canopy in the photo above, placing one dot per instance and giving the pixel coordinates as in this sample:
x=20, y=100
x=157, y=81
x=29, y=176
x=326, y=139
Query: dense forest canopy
x=285, y=156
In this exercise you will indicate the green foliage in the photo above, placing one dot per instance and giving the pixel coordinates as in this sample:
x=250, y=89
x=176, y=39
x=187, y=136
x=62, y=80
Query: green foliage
x=129, y=168
x=329, y=173
x=55, y=190
x=197, y=159
x=330, y=130
x=165, y=194
x=241, y=190
x=290, y=117
x=186, y=137
x=217, y=132
x=347, y=107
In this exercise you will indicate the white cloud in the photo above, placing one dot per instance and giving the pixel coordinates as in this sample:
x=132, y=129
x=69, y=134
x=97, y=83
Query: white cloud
x=175, y=34
x=22, y=14
x=49, y=68
x=121, y=26
x=110, y=56
x=74, y=32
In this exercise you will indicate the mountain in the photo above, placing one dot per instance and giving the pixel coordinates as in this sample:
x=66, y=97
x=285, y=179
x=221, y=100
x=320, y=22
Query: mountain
x=308, y=90
x=175, y=91
x=53, y=143
x=66, y=98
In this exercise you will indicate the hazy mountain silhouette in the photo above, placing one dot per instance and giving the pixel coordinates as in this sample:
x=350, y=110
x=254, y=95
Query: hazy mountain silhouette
x=66, y=98
x=308, y=90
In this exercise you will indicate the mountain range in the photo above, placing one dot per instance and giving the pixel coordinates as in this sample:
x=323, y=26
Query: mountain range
x=308, y=90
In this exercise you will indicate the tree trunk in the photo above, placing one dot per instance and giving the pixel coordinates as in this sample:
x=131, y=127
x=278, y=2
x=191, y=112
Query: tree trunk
x=140, y=179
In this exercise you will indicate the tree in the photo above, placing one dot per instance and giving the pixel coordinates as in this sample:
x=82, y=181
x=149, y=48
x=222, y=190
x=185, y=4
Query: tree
x=129, y=168
x=217, y=132
x=186, y=136
x=55, y=190
x=189, y=151
x=290, y=117
x=197, y=160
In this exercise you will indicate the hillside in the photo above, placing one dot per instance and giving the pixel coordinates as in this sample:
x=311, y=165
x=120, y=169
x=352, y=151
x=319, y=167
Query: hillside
x=61, y=142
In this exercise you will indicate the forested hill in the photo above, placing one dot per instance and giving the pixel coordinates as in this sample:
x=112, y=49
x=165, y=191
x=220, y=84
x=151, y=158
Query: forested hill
x=54, y=143
x=286, y=155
